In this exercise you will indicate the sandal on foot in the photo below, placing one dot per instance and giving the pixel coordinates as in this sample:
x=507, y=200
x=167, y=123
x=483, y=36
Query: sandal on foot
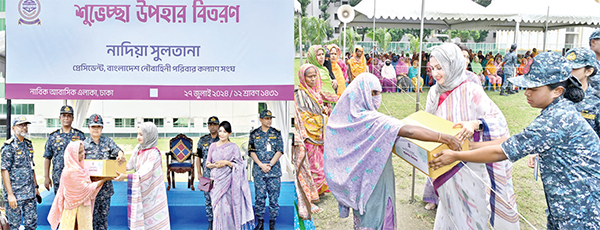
x=430, y=206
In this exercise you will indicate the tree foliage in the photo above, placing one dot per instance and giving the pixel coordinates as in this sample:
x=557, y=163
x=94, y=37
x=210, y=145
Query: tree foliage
x=353, y=3
x=303, y=5
x=314, y=31
x=482, y=36
x=414, y=43
x=382, y=37
x=323, y=7
x=483, y=2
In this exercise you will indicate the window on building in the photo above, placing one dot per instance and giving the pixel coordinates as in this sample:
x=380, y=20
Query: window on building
x=19, y=109
x=181, y=122
x=124, y=122
x=52, y=123
x=337, y=30
x=159, y=122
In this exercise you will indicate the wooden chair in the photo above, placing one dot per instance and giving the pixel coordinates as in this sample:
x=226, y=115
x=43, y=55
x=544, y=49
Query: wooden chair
x=180, y=160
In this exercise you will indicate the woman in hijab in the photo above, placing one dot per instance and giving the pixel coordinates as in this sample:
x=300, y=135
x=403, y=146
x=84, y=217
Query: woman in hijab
x=490, y=72
x=147, y=196
x=337, y=69
x=358, y=63
x=388, y=74
x=74, y=201
x=316, y=57
x=477, y=69
x=309, y=130
x=463, y=196
x=230, y=194
x=375, y=68
x=402, y=74
x=358, y=162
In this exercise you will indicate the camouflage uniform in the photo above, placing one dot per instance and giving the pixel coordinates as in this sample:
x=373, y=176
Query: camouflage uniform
x=590, y=106
x=202, y=152
x=510, y=64
x=568, y=148
x=105, y=149
x=17, y=158
x=265, y=145
x=55, y=148
x=595, y=80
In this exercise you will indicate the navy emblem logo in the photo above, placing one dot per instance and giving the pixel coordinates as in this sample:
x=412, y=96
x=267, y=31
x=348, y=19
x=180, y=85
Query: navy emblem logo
x=29, y=11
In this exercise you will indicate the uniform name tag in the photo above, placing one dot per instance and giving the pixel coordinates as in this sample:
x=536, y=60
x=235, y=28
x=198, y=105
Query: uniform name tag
x=588, y=116
x=272, y=137
x=268, y=147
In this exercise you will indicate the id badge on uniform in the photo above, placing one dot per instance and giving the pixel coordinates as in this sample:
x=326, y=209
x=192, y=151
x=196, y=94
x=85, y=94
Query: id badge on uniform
x=268, y=147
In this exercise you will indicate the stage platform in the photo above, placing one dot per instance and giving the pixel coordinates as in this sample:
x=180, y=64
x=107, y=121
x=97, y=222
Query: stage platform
x=186, y=207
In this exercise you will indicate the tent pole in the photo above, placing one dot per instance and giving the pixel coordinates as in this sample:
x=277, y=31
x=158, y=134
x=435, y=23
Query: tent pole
x=374, y=8
x=546, y=29
x=412, y=192
x=300, y=35
x=344, y=43
x=517, y=32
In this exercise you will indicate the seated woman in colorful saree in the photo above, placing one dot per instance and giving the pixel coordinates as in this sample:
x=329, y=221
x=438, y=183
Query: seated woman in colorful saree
x=464, y=199
x=74, y=202
x=358, y=63
x=358, y=154
x=309, y=126
x=147, y=206
x=230, y=194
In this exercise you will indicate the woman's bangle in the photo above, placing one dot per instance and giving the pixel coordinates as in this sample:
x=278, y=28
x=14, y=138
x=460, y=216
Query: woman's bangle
x=439, y=136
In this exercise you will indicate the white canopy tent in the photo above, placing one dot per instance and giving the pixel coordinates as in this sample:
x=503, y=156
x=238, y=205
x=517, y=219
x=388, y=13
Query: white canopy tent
x=532, y=15
x=439, y=14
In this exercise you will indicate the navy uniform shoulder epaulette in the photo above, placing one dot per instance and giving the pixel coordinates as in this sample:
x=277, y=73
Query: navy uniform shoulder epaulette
x=254, y=130
x=277, y=130
x=54, y=131
x=27, y=140
x=77, y=130
x=7, y=142
x=204, y=135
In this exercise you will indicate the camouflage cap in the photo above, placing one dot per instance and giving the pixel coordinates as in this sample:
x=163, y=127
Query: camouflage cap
x=266, y=113
x=213, y=120
x=547, y=68
x=595, y=34
x=20, y=120
x=581, y=57
x=95, y=120
x=66, y=109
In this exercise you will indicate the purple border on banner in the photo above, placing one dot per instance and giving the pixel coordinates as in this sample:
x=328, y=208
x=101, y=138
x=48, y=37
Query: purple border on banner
x=150, y=92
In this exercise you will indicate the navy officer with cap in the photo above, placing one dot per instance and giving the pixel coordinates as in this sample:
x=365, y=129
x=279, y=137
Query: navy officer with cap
x=98, y=147
x=18, y=177
x=595, y=46
x=55, y=147
x=265, y=147
x=202, y=153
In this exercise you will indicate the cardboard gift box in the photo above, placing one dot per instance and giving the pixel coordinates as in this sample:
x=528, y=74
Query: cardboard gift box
x=105, y=168
x=419, y=153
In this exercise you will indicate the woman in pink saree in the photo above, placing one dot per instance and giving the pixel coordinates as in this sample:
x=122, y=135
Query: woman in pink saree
x=230, y=195
x=147, y=206
x=74, y=202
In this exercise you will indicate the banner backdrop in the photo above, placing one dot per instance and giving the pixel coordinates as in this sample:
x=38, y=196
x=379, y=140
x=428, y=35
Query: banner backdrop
x=150, y=49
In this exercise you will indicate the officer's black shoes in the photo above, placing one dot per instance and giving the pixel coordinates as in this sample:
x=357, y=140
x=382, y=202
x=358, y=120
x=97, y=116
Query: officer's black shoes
x=272, y=224
x=259, y=225
x=210, y=225
x=502, y=93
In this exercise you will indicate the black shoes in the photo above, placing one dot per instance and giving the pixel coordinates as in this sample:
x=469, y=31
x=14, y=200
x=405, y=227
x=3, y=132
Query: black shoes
x=210, y=225
x=502, y=93
x=259, y=225
x=272, y=224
